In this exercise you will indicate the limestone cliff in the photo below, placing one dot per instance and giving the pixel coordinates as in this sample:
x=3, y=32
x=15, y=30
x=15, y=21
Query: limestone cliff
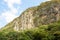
x=46, y=13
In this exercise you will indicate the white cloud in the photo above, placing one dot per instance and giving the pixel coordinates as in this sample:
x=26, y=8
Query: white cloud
x=10, y=14
x=10, y=4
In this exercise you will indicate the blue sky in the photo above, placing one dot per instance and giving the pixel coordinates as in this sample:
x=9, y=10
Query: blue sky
x=10, y=9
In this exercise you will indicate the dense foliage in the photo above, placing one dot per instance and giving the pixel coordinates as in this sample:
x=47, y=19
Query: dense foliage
x=44, y=32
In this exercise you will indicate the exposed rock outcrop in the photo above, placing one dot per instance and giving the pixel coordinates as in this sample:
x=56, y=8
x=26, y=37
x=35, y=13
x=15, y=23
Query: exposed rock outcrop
x=46, y=13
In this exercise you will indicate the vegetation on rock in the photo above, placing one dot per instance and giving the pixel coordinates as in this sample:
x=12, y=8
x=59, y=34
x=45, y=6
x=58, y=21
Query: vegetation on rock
x=45, y=20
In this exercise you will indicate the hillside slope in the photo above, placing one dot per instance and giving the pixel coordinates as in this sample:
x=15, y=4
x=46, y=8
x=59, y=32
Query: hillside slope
x=44, y=14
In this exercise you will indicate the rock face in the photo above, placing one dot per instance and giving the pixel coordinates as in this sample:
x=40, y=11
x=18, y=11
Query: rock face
x=46, y=13
x=26, y=21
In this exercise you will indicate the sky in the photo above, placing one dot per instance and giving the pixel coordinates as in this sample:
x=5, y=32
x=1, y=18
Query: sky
x=10, y=9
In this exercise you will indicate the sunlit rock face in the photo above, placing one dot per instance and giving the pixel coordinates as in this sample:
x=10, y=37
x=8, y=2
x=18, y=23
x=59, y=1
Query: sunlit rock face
x=26, y=21
x=46, y=13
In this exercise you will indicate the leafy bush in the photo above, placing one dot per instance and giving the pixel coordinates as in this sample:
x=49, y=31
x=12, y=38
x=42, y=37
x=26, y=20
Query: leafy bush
x=43, y=32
